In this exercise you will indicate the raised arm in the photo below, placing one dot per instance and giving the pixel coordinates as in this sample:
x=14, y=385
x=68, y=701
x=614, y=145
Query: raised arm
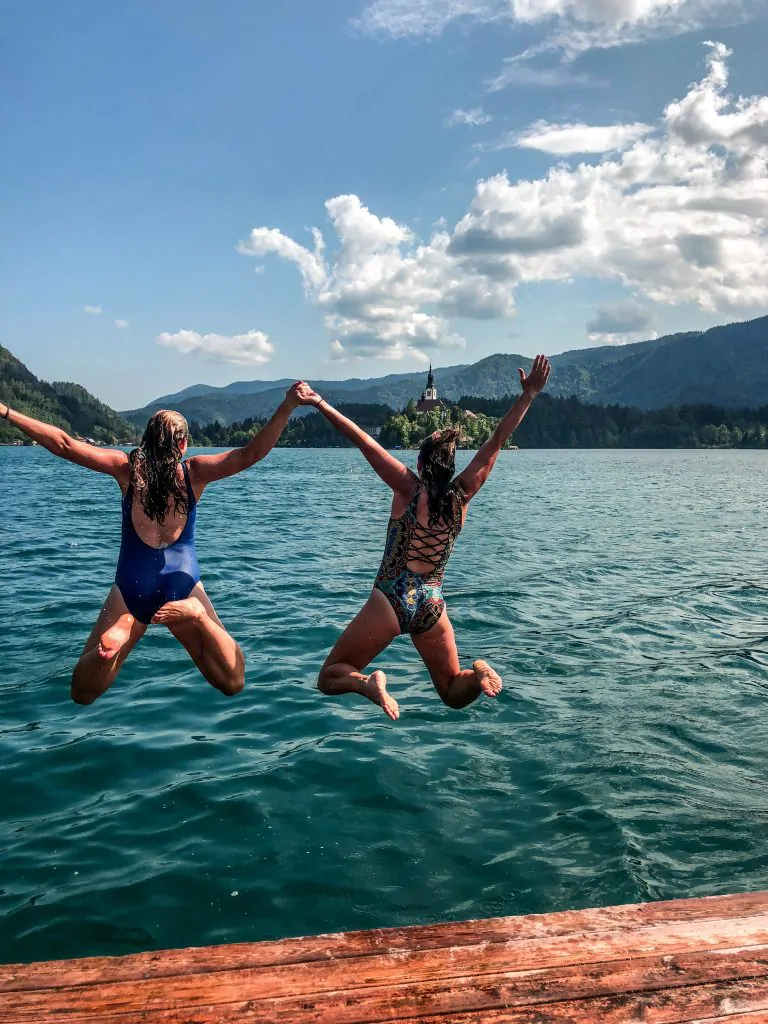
x=391, y=470
x=476, y=473
x=207, y=468
x=58, y=442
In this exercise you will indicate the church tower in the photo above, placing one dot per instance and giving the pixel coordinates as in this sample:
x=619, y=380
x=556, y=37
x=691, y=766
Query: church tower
x=429, y=399
x=431, y=392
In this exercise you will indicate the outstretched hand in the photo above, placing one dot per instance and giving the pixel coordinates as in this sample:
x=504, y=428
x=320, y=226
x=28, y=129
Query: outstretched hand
x=306, y=394
x=537, y=378
x=292, y=395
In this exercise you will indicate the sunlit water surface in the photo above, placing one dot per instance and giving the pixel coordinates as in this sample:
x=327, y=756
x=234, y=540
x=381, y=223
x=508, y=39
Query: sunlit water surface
x=622, y=595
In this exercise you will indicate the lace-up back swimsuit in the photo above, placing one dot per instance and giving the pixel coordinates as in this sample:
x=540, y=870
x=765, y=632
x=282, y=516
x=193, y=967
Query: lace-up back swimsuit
x=150, y=577
x=417, y=597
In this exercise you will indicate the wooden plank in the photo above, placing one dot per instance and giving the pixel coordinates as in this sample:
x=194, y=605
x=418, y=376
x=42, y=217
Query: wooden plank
x=164, y=1001
x=750, y=1003
x=664, y=1007
x=706, y=1004
x=421, y=966
x=758, y=1017
x=204, y=960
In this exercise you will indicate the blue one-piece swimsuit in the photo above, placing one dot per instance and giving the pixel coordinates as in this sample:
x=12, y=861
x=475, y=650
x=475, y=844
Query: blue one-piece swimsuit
x=150, y=577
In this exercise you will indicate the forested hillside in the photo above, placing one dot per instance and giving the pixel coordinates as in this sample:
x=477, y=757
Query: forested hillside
x=68, y=406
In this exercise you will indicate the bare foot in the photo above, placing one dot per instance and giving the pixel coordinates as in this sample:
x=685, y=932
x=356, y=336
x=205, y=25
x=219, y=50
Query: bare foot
x=179, y=611
x=111, y=642
x=490, y=681
x=375, y=689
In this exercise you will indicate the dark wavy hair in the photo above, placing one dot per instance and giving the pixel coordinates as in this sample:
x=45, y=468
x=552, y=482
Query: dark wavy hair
x=437, y=465
x=153, y=466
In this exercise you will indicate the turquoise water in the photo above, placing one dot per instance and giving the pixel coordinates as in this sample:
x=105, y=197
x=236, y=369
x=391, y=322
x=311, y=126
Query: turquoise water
x=623, y=596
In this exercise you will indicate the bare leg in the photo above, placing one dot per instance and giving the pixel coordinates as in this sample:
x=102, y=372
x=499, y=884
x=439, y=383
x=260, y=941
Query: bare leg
x=112, y=639
x=371, y=631
x=457, y=687
x=196, y=625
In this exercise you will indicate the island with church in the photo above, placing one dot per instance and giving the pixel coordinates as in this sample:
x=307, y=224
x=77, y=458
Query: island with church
x=554, y=422
x=402, y=429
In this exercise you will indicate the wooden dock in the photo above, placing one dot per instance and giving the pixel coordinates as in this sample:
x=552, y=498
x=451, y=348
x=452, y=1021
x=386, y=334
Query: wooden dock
x=659, y=963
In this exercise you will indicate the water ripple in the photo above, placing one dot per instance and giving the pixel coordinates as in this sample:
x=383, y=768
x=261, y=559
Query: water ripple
x=623, y=596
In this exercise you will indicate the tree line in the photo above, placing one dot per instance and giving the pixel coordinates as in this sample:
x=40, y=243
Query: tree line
x=569, y=423
x=551, y=423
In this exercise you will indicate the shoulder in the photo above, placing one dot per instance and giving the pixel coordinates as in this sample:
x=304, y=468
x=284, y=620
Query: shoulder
x=191, y=468
x=402, y=499
x=411, y=484
x=122, y=469
x=459, y=488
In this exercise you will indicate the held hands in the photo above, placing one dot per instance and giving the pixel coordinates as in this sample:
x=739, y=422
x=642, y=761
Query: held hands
x=293, y=395
x=301, y=393
x=306, y=394
x=537, y=378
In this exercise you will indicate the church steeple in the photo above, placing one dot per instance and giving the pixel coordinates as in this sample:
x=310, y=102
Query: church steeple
x=429, y=400
x=431, y=392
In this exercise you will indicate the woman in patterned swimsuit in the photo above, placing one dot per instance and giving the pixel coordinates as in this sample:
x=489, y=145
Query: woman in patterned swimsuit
x=428, y=513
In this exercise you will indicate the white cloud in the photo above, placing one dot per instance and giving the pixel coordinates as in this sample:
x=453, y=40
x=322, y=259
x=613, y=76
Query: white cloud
x=121, y=323
x=679, y=216
x=92, y=310
x=474, y=117
x=250, y=349
x=569, y=27
x=580, y=27
x=403, y=18
x=621, y=323
x=575, y=25
x=270, y=240
x=566, y=139
x=385, y=294
x=703, y=117
x=518, y=72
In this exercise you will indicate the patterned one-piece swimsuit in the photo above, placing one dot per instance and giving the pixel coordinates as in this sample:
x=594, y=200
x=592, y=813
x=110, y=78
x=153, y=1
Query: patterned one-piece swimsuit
x=417, y=597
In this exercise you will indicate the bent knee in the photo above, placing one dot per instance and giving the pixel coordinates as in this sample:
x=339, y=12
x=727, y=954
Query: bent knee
x=81, y=696
x=457, y=704
x=454, y=701
x=79, y=690
x=323, y=682
x=230, y=686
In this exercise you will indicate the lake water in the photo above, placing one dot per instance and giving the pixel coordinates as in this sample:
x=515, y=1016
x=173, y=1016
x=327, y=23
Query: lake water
x=622, y=595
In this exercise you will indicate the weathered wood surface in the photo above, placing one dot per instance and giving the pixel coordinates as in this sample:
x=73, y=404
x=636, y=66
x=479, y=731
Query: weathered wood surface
x=700, y=960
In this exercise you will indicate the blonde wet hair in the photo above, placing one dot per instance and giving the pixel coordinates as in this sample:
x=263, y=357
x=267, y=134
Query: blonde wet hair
x=154, y=466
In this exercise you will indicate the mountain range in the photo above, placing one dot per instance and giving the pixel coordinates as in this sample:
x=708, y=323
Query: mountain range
x=726, y=366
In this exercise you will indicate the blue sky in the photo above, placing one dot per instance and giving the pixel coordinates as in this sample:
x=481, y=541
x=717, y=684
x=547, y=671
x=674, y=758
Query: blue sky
x=486, y=175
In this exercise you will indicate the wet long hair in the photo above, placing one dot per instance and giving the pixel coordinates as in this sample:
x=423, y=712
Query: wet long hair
x=154, y=466
x=437, y=465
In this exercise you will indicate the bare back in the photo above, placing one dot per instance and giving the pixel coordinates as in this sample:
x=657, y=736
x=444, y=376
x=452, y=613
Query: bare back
x=426, y=544
x=148, y=530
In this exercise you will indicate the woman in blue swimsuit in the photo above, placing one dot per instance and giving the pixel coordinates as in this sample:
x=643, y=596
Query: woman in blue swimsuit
x=158, y=578
x=428, y=513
